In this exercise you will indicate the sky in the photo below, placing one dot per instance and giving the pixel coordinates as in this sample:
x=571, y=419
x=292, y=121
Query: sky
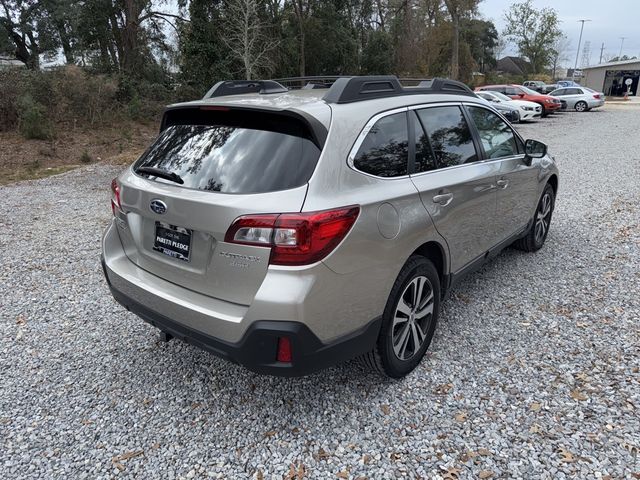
x=609, y=22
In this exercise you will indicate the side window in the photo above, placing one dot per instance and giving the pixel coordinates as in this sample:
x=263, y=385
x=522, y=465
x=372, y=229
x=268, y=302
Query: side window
x=384, y=151
x=425, y=161
x=511, y=91
x=573, y=91
x=497, y=89
x=562, y=91
x=497, y=138
x=449, y=135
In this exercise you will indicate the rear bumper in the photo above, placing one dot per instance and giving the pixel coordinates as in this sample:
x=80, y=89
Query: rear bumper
x=257, y=349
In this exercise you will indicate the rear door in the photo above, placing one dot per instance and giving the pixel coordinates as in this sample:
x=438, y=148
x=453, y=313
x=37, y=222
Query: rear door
x=456, y=187
x=227, y=165
x=517, y=182
x=572, y=96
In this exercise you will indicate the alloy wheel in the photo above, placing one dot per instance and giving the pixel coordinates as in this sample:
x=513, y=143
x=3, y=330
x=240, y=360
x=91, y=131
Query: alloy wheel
x=412, y=318
x=580, y=107
x=543, y=218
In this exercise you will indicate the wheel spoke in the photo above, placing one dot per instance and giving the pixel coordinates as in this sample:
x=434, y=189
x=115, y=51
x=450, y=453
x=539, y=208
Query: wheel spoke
x=426, y=308
x=418, y=336
x=419, y=285
x=400, y=341
x=403, y=308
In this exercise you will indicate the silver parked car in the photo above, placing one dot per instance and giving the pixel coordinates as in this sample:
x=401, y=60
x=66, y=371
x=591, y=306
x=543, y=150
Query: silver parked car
x=581, y=99
x=291, y=230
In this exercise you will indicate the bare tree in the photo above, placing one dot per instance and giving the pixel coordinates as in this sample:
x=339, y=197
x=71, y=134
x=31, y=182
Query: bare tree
x=458, y=9
x=246, y=37
x=560, y=52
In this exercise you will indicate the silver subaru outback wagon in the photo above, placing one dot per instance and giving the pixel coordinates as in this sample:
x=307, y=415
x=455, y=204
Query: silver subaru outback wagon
x=289, y=230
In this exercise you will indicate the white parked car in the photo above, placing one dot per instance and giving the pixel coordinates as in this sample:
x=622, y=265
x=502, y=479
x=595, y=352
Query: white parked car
x=527, y=110
x=580, y=99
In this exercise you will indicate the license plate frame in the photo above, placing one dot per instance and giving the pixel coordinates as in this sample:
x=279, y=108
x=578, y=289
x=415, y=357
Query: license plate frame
x=173, y=241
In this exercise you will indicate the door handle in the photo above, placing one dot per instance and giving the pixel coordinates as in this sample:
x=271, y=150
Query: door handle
x=443, y=199
x=502, y=183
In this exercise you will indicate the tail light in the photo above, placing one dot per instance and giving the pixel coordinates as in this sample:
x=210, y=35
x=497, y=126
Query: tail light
x=596, y=96
x=115, y=196
x=294, y=238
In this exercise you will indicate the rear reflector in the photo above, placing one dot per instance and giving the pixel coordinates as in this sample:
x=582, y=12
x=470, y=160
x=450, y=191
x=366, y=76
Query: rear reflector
x=294, y=238
x=284, y=350
x=115, y=196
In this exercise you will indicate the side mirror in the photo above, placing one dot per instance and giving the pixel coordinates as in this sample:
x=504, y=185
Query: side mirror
x=534, y=149
x=521, y=95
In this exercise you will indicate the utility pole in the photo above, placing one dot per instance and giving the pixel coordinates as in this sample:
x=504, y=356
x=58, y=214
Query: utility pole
x=622, y=39
x=601, y=52
x=573, y=77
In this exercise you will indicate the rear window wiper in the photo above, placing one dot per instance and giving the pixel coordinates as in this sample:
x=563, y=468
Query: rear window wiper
x=158, y=172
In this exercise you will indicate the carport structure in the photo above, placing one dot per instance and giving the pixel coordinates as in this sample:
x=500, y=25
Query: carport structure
x=611, y=78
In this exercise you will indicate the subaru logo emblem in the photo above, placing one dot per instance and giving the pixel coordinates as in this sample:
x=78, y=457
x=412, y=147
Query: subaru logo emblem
x=158, y=206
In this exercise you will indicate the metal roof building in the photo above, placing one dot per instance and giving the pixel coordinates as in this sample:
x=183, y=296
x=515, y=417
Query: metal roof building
x=613, y=78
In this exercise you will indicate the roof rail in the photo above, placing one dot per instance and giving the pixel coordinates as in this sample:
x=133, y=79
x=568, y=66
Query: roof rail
x=318, y=81
x=238, y=87
x=356, y=89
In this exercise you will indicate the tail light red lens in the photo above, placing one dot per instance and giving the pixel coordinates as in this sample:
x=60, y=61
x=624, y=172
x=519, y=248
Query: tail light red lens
x=115, y=196
x=294, y=238
x=597, y=96
x=284, y=350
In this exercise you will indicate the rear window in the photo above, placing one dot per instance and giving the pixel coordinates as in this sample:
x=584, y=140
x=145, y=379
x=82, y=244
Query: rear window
x=232, y=157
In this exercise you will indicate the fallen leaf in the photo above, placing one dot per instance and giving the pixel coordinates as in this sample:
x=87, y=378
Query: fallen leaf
x=270, y=433
x=21, y=320
x=127, y=456
x=385, y=409
x=484, y=452
x=395, y=456
x=535, y=407
x=118, y=465
x=443, y=389
x=485, y=474
x=87, y=422
x=259, y=475
x=452, y=473
x=535, y=428
x=343, y=474
x=296, y=472
x=578, y=395
x=461, y=416
x=322, y=454
x=366, y=459
x=567, y=456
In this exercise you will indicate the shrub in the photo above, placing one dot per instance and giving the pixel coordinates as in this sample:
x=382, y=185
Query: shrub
x=85, y=157
x=32, y=119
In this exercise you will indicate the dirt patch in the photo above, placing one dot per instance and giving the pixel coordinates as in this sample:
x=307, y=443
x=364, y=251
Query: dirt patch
x=22, y=159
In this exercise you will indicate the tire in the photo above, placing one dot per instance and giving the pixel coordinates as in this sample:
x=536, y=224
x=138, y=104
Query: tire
x=581, y=106
x=407, y=325
x=545, y=112
x=537, y=233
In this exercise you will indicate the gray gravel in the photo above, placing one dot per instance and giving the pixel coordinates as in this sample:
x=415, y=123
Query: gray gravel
x=533, y=373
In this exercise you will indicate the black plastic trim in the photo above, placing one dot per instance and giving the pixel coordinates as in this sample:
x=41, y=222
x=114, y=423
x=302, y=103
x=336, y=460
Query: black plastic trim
x=257, y=348
x=239, y=87
x=355, y=89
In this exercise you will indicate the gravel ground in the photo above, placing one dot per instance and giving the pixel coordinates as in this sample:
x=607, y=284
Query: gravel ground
x=533, y=373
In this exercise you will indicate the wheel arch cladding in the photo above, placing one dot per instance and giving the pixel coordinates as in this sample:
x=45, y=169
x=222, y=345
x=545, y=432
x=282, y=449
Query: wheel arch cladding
x=553, y=181
x=434, y=252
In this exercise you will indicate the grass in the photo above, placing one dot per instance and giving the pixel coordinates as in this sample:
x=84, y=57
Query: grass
x=33, y=172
